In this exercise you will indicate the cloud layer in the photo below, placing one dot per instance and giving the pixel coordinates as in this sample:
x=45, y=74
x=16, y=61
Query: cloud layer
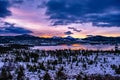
x=4, y=5
x=98, y=12
x=68, y=33
x=8, y=28
x=60, y=17
x=74, y=29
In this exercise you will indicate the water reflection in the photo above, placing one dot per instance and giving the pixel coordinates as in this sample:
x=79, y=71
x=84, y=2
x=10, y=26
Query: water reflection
x=76, y=46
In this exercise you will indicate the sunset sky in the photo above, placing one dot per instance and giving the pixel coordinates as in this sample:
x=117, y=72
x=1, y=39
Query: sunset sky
x=47, y=18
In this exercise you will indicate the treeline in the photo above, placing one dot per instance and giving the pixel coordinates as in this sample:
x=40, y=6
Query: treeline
x=10, y=47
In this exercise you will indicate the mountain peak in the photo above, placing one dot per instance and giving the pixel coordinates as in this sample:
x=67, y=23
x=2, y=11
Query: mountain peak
x=69, y=37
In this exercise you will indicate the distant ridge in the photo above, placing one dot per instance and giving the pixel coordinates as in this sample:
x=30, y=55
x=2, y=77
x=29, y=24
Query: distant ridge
x=97, y=38
x=103, y=38
x=18, y=37
x=26, y=37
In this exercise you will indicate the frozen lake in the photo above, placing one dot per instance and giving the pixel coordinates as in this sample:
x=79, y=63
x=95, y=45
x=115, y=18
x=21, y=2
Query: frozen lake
x=77, y=46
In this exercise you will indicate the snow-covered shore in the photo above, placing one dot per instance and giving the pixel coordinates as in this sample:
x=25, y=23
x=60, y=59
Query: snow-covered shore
x=67, y=64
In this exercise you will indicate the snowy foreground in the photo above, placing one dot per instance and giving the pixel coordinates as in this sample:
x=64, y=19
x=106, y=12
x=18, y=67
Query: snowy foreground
x=26, y=64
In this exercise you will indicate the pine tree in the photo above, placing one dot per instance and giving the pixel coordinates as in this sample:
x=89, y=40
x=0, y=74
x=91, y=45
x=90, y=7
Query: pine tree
x=21, y=75
x=47, y=76
x=60, y=75
x=4, y=75
x=79, y=77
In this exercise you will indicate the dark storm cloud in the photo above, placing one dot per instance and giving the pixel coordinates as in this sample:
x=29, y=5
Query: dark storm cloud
x=4, y=4
x=74, y=29
x=8, y=28
x=68, y=33
x=63, y=12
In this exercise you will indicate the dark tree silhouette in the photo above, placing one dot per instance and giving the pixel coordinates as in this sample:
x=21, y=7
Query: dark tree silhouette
x=47, y=76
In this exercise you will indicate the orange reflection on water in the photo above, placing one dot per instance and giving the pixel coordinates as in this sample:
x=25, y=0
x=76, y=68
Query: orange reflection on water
x=73, y=46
